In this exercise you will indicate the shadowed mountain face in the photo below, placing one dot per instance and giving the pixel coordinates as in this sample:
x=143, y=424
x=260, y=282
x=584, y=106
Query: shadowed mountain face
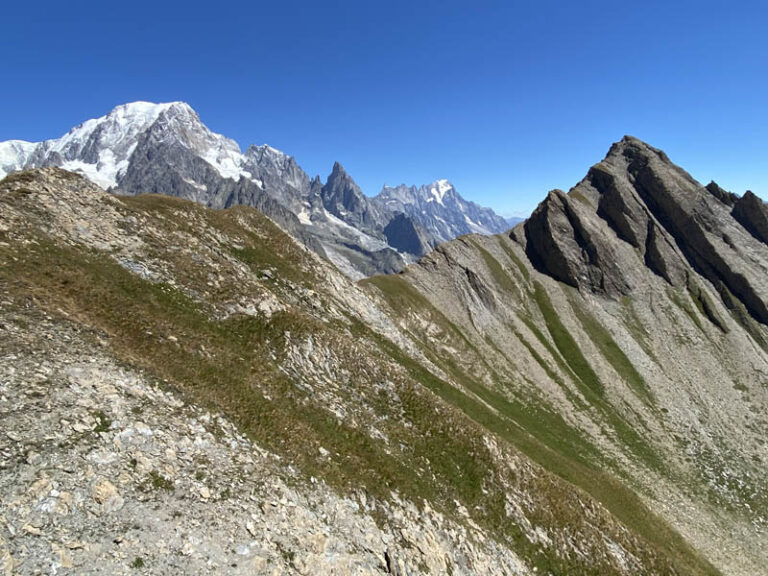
x=585, y=394
x=343, y=198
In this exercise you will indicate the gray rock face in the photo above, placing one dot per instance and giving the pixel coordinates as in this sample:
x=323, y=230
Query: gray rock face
x=636, y=196
x=751, y=212
x=406, y=236
x=441, y=211
x=280, y=176
x=163, y=163
x=728, y=198
x=343, y=198
x=562, y=241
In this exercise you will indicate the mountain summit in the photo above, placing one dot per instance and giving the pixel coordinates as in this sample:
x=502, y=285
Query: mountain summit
x=637, y=212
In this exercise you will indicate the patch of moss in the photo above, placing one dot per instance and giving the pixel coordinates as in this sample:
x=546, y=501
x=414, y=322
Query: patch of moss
x=103, y=422
x=157, y=481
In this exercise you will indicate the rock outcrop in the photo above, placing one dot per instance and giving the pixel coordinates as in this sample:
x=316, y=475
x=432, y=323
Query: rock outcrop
x=752, y=213
x=637, y=197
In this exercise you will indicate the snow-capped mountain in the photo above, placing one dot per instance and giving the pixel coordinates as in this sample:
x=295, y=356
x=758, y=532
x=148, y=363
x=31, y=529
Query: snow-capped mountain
x=441, y=210
x=143, y=147
x=101, y=148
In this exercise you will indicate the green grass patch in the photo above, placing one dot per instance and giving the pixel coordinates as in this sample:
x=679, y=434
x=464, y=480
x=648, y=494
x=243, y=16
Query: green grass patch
x=500, y=277
x=567, y=456
x=544, y=436
x=685, y=307
x=239, y=377
x=567, y=346
x=517, y=262
x=591, y=387
x=614, y=354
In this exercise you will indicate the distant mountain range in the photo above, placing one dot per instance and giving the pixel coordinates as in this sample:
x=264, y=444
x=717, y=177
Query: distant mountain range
x=165, y=149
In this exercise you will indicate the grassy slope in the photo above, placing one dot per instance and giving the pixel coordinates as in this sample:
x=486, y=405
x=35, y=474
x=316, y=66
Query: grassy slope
x=537, y=430
x=226, y=364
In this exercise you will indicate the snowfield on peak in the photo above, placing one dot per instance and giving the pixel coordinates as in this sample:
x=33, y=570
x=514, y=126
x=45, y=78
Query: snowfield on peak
x=12, y=155
x=438, y=190
x=101, y=148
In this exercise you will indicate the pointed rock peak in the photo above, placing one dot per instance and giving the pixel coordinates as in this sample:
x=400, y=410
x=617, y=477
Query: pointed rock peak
x=316, y=185
x=339, y=178
x=752, y=213
x=631, y=147
x=727, y=198
x=555, y=195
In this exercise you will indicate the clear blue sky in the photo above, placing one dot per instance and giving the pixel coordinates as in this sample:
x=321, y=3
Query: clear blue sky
x=506, y=99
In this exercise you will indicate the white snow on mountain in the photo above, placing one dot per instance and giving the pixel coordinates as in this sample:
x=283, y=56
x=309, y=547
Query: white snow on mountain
x=13, y=154
x=438, y=190
x=101, y=148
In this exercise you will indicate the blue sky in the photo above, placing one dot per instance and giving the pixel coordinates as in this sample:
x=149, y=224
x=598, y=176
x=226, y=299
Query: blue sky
x=505, y=99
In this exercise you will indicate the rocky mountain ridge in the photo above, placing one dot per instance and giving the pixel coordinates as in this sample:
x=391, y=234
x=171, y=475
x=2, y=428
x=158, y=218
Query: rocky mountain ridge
x=642, y=200
x=164, y=148
x=644, y=267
